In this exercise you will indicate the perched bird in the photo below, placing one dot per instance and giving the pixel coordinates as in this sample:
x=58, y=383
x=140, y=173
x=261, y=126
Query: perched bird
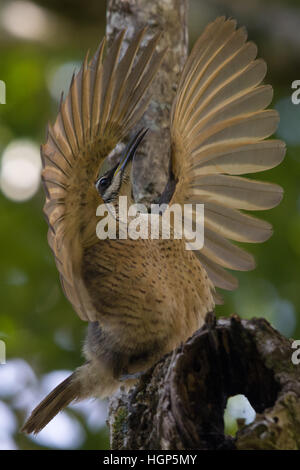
x=143, y=297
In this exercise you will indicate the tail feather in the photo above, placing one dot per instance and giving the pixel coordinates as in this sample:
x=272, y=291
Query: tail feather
x=59, y=398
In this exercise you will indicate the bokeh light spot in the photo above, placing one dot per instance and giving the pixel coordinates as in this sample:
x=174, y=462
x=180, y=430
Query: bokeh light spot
x=25, y=20
x=20, y=170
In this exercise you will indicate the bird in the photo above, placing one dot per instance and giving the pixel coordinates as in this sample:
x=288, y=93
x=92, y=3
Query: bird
x=142, y=298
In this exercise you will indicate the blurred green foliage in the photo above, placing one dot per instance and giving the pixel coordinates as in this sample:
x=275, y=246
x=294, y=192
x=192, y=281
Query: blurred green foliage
x=33, y=307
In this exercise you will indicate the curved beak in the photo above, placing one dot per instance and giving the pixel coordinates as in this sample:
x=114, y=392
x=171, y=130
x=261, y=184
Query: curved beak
x=131, y=148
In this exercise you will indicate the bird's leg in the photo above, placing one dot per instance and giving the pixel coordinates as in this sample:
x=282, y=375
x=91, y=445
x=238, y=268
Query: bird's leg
x=136, y=375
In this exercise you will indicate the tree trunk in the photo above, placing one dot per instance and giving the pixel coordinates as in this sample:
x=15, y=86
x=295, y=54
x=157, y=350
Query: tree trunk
x=179, y=403
x=170, y=18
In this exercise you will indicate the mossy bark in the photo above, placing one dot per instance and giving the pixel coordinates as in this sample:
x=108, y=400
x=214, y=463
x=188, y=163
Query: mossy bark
x=180, y=402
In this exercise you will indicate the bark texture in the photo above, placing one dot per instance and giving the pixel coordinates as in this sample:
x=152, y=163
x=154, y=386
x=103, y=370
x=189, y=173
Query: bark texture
x=180, y=402
x=170, y=18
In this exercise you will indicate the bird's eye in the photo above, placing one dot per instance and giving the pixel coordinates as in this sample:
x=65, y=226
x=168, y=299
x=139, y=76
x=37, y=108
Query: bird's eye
x=103, y=182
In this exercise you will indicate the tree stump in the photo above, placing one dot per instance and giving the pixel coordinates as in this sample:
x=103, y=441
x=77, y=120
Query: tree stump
x=180, y=402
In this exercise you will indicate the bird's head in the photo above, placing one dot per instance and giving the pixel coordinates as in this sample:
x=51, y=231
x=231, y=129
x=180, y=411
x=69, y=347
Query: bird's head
x=116, y=182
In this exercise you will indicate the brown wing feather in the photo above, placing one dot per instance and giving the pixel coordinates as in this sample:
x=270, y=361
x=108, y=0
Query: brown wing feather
x=104, y=102
x=218, y=126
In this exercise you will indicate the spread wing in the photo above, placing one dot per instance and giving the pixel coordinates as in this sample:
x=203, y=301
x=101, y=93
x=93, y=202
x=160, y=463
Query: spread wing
x=105, y=100
x=218, y=129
